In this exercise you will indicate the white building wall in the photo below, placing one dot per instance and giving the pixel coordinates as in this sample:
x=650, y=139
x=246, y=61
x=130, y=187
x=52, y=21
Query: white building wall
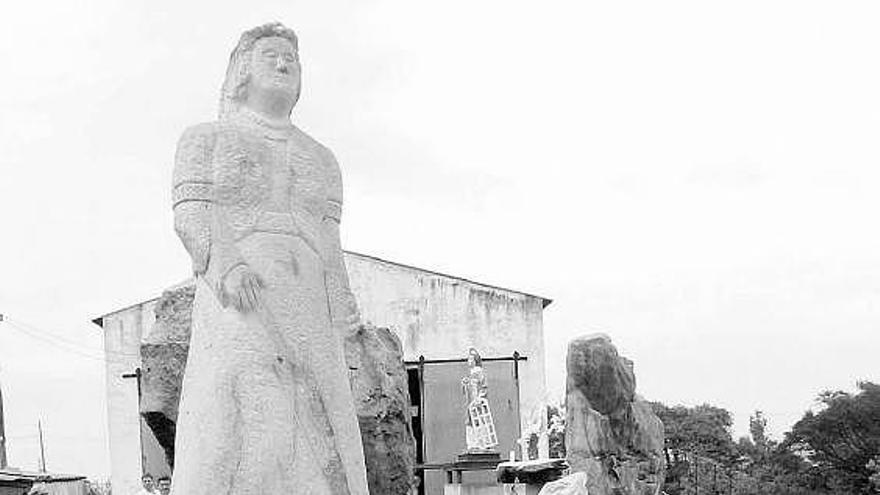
x=434, y=315
x=439, y=317
x=122, y=336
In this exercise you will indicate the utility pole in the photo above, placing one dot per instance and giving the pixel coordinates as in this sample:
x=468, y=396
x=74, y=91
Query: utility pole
x=42, y=447
x=3, y=460
x=137, y=375
x=714, y=477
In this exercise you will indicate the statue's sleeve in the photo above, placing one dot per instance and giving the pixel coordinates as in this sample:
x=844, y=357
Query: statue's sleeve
x=198, y=220
x=343, y=307
x=192, y=194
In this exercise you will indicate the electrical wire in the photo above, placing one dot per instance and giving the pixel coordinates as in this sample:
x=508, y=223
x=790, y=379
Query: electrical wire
x=54, y=340
x=71, y=343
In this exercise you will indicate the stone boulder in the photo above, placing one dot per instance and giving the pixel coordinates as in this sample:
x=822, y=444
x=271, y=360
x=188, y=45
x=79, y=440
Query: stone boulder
x=163, y=359
x=380, y=387
x=611, y=433
x=378, y=379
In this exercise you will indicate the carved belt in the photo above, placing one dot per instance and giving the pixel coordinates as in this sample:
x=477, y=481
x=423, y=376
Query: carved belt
x=292, y=224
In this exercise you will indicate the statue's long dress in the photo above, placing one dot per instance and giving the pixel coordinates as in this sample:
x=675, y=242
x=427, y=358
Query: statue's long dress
x=266, y=406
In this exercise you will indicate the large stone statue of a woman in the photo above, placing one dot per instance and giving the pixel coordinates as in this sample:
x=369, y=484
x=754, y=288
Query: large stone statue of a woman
x=266, y=406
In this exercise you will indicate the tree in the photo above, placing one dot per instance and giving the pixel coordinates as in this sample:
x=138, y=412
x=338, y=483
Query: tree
x=704, y=430
x=758, y=430
x=835, y=450
x=842, y=439
x=698, y=447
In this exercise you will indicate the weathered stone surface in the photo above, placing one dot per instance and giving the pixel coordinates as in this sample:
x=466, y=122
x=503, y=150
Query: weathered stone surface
x=377, y=375
x=573, y=484
x=163, y=357
x=381, y=393
x=257, y=204
x=611, y=433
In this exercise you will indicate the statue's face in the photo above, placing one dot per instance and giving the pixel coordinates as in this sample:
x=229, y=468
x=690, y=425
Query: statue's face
x=472, y=358
x=275, y=66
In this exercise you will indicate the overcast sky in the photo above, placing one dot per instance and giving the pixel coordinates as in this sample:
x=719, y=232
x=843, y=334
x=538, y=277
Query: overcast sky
x=697, y=179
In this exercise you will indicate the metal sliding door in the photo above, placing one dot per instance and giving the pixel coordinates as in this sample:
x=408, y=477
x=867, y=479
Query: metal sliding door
x=444, y=414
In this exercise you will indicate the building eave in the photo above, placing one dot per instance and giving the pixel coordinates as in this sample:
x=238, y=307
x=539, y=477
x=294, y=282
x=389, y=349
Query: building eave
x=544, y=301
x=99, y=320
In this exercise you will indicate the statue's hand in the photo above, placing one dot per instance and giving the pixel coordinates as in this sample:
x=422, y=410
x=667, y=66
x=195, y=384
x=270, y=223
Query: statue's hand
x=351, y=321
x=242, y=288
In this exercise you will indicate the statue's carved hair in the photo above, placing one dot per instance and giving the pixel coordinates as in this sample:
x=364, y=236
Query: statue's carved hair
x=478, y=360
x=238, y=71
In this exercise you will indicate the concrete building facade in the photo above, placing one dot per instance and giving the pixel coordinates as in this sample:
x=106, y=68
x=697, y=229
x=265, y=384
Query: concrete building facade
x=437, y=317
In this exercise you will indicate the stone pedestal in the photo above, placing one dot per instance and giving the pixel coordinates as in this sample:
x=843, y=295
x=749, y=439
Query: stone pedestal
x=480, y=478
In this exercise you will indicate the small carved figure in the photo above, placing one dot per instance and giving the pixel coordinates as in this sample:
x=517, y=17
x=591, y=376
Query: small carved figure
x=480, y=433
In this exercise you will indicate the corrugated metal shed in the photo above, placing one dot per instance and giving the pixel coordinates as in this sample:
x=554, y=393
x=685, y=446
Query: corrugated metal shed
x=15, y=482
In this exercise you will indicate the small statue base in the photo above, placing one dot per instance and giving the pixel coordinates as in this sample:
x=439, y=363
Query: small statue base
x=471, y=461
x=486, y=456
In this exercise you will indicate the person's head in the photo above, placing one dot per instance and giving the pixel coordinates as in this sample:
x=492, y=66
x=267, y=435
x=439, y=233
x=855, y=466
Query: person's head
x=147, y=481
x=265, y=61
x=164, y=485
x=474, y=358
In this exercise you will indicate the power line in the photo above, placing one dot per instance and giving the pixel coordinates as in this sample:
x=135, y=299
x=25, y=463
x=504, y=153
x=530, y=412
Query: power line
x=55, y=336
x=82, y=351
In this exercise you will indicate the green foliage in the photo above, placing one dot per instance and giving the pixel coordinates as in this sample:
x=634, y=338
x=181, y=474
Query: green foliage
x=758, y=429
x=834, y=450
x=842, y=440
x=699, y=447
x=703, y=458
x=703, y=430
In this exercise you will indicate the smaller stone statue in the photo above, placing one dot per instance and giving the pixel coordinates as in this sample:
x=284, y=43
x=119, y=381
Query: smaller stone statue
x=480, y=429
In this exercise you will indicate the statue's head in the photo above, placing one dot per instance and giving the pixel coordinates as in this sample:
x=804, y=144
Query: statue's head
x=474, y=358
x=265, y=59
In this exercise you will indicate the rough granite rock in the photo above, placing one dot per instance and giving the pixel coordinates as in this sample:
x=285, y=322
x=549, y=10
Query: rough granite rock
x=378, y=380
x=611, y=434
x=381, y=393
x=163, y=356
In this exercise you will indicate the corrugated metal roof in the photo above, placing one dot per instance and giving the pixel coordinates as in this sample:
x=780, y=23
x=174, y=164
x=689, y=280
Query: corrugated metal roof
x=12, y=475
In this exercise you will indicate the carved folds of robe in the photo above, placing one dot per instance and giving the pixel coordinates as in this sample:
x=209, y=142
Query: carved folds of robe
x=266, y=406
